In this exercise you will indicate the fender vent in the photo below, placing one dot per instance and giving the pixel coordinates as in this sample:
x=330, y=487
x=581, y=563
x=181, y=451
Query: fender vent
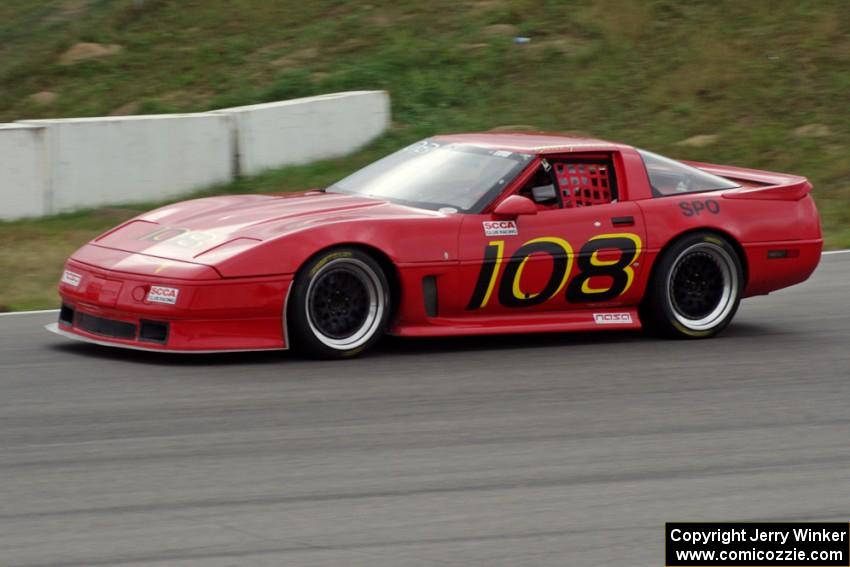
x=429, y=293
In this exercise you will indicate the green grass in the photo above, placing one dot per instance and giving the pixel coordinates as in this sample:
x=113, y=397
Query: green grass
x=649, y=73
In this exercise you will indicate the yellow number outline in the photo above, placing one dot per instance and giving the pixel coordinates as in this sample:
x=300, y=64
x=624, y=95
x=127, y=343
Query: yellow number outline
x=627, y=269
x=567, y=248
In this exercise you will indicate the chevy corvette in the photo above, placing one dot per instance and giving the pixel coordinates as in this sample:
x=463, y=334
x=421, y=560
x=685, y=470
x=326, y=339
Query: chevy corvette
x=462, y=234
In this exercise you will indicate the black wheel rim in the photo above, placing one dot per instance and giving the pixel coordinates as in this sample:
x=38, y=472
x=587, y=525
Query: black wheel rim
x=339, y=303
x=698, y=285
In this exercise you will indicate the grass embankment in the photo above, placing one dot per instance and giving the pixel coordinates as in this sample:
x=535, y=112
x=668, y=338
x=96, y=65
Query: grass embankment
x=765, y=84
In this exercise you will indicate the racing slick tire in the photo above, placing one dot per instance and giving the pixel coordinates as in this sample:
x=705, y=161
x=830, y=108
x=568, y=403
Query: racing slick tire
x=695, y=288
x=339, y=305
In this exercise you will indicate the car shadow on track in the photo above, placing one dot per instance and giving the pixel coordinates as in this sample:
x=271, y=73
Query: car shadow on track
x=394, y=345
x=402, y=347
x=170, y=359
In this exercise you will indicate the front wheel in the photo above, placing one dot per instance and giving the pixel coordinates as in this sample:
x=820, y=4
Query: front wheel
x=339, y=305
x=695, y=288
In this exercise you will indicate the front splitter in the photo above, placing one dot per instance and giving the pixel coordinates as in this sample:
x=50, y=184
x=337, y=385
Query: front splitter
x=54, y=328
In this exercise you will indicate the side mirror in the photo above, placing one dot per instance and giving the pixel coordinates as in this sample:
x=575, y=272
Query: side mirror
x=514, y=206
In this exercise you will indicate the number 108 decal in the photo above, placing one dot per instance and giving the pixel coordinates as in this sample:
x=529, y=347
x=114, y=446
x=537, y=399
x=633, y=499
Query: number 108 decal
x=619, y=274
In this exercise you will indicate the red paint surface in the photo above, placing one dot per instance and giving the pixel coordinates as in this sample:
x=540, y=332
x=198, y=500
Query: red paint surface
x=233, y=258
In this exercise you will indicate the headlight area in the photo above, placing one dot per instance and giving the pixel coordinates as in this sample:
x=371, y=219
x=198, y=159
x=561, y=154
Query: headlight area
x=122, y=309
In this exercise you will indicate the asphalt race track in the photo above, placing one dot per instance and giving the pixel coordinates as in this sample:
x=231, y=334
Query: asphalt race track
x=535, y=450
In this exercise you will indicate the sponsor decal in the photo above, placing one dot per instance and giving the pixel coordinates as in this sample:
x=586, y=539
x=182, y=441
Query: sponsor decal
x=159, y=294
x=180, y=236
x=500, y=228
x=162, y=266
x=695, y=208
x=502, y=153
x=328, y=258
x=422, y=147
x=71, y=278
x=612, y=318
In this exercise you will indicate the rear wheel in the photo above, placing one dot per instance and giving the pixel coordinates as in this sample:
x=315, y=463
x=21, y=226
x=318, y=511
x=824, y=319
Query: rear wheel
x=695, y=288
x=339, y=305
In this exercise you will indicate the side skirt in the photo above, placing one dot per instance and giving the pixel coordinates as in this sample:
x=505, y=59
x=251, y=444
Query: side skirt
x=585, y=320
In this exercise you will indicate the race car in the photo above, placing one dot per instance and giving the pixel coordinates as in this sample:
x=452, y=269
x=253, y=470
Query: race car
x=462, y=234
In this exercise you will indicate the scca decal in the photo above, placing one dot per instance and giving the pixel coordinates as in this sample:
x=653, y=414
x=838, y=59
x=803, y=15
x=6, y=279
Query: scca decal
x=510, y=293
x=500, y=228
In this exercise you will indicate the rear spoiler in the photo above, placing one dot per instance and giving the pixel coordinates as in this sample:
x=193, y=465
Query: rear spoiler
x=769, y=185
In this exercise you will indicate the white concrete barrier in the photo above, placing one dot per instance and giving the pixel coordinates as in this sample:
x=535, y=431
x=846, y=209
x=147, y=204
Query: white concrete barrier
x=54, y=166
x=23, y=187
x=133, y=159
x=307, y=129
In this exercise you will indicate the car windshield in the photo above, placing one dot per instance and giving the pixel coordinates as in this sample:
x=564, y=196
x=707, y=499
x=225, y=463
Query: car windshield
x=435, y=175
x=670, y=177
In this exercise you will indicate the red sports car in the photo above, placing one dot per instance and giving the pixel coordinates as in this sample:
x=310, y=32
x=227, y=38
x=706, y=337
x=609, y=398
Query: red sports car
x=455, y=235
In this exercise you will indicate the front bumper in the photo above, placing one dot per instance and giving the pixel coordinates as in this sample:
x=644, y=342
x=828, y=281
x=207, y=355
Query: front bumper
x=55, y=328
x=215, y=315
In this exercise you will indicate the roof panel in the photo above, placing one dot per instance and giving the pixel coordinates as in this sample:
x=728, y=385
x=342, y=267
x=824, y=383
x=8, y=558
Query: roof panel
x=535, y=142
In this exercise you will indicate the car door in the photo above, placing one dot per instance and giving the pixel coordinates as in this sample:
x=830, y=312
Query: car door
x=584, y=252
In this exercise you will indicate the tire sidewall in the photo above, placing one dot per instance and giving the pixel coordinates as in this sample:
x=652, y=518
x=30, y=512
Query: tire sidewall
x=300, y=334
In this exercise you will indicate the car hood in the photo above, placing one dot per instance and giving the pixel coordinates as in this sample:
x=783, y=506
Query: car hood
x=209, y=230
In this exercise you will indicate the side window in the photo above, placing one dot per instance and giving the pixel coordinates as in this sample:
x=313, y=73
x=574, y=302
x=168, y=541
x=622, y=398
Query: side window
x=541, y=189
x=572, y=182
x=671, y=177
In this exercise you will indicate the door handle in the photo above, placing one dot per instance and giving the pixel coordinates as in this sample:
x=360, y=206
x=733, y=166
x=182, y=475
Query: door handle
x=623, y=221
